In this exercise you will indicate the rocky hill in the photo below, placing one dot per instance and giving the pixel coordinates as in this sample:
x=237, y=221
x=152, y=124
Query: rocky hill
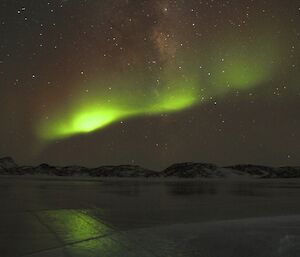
x=180, y=170
x=7, y=163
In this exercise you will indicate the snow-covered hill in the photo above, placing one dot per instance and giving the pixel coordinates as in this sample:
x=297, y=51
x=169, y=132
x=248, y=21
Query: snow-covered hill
x=180, y=170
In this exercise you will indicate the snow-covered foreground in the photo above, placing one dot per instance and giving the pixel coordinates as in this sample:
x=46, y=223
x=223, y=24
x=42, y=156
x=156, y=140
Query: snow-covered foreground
x=55, y=218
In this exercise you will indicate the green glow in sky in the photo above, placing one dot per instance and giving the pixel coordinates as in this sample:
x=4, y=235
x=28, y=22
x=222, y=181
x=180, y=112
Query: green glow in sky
x=94, y=116
x=177, y=96
x=88, y=120
x=182, y=85
x=246, y=62
x=85, y=120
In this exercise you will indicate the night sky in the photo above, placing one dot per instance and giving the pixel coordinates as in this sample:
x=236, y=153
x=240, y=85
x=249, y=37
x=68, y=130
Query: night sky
x=152, y=83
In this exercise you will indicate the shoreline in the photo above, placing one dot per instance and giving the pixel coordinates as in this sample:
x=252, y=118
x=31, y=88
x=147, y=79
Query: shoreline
x=145, y=179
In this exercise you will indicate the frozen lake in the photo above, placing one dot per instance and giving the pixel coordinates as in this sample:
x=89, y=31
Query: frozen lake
x=42, y=217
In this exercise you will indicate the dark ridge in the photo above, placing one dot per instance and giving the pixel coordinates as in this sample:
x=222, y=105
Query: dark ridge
x=179, y=170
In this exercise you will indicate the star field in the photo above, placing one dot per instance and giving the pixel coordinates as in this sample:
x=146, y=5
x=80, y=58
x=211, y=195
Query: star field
x=150, y=82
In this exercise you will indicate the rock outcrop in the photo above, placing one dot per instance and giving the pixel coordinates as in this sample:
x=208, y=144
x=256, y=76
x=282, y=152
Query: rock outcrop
x=259, y=171
x=122, y=171
x=7, y=164
x=253, y=170
x=192, y=170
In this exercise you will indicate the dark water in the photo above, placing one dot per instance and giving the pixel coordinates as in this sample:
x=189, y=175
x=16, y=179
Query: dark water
x=48, y=214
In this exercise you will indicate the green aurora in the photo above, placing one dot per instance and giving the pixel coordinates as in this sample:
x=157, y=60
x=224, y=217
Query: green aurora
x=237, y=67
x=95, y=115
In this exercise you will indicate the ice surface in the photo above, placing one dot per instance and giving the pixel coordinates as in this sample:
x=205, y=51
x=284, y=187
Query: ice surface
x=42, y=218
